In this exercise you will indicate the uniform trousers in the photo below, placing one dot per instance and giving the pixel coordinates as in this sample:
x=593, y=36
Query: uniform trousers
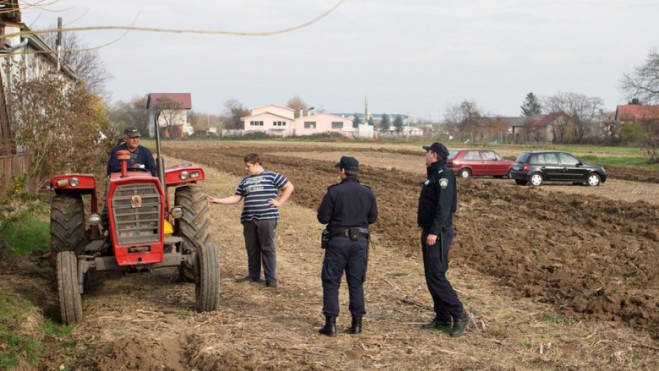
x=260, y=244
x=343, y=254
x=445, y=301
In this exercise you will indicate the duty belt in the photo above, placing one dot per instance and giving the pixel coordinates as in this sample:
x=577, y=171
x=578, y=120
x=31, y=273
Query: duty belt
x=346, y=233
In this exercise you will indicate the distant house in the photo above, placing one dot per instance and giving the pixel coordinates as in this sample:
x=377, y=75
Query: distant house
x=280, y=121
x=636, y=113
x=552, y=127
x=23, y=57
x=171, y=111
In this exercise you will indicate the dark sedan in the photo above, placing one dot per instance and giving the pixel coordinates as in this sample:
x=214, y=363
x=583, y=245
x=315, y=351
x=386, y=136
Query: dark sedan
x=539, y=166
x=466, y=163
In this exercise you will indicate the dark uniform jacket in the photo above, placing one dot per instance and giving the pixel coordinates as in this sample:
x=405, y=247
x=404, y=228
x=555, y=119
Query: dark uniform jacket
x=438, y=199
x=141, y=156
x=348, y=204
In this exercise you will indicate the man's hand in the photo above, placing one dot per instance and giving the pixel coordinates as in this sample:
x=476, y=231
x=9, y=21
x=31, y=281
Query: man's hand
x=274, y=202
x=431, y=239
x=212, y=200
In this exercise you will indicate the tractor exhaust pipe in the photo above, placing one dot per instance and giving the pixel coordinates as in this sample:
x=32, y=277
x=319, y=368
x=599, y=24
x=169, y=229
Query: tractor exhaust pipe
x=123, y=156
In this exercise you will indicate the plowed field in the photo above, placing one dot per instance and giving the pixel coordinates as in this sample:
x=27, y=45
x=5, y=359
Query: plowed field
x=556, y=277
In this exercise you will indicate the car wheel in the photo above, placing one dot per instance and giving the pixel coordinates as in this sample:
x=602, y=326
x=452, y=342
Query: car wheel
x=593, y=179
x=536, y=179
x=464, y=173
x=521, y=182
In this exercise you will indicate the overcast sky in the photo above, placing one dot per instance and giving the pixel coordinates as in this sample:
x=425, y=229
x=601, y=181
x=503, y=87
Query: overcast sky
x=414, y=57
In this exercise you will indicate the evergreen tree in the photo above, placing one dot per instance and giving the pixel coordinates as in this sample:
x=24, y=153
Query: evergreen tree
x=531, y=106
x=385, y=124
x=398, y=124
x=356, y=121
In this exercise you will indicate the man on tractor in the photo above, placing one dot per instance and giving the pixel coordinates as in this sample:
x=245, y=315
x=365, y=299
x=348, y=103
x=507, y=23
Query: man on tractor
x=140, y=157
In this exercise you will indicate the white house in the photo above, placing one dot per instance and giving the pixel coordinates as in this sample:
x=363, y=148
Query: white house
x=280, y=121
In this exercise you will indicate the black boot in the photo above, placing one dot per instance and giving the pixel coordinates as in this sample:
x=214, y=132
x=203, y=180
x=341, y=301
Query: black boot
x=330, y=326
x=436, y=323
x=356, y=327
x=460, y=324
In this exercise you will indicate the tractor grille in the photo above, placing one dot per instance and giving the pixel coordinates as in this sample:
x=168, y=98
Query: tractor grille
x=136, y=210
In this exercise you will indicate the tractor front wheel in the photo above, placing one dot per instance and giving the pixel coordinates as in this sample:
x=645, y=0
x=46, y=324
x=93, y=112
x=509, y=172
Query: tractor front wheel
x=70, y=302
x=206, y=278
x=67, y=223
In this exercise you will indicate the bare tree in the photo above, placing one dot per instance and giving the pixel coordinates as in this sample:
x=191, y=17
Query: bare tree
x=579, y=110
x=235, y=111
x=169, y=111
x=131, y=113
x=204, y=121
x=643, y=83
x=465, y=118
x=85, y=62
x=298, y=105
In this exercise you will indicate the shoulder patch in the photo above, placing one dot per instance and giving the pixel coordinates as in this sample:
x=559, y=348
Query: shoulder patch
x=443, y=183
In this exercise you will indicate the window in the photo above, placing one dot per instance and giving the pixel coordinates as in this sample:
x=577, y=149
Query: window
x=472, y=156
x=310, y=124
x=537, y=160
x=279, y=123
x=256, y=123
x=567, y=159
x=550, y=159
x=488, y=156
x=337, y=124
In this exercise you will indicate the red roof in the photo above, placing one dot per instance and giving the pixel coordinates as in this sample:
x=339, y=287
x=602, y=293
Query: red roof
x=183, y=98
x=635, y=112
x=546, y=120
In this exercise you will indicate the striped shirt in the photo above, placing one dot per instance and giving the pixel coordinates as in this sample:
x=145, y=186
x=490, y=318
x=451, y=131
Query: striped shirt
x=257, y=190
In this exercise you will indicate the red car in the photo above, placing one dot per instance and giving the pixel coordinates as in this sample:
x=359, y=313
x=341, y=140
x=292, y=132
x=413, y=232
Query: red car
x=466, y=163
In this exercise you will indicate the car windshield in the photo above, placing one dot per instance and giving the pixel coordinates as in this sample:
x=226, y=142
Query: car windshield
x=452, y=154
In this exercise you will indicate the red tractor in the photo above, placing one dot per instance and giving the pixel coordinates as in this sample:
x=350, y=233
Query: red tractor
x=143, y=232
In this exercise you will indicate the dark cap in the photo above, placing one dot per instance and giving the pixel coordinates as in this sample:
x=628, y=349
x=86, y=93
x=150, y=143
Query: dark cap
x=438, y=148
x=347, y=162
x=132, y=132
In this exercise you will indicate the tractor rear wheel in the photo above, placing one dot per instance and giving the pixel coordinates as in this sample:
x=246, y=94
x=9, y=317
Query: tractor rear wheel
x=206, y=281
x=193, y=227
x=70, y=303
x=67, y=223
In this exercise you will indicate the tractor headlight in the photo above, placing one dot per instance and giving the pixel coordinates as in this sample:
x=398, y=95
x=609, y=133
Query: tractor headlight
x=94, y=219
x=194, y=175
x=183, y=175
x=74, y=182
x=176, y=213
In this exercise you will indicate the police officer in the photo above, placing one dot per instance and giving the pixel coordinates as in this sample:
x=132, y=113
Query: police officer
x=347, y=208
x=437, y=203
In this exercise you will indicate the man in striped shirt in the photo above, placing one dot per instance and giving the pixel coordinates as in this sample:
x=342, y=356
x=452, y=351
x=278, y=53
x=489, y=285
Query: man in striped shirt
x=259, y=189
